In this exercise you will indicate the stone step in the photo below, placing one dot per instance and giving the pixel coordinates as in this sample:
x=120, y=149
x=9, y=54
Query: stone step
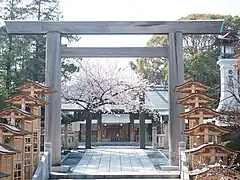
x=163, y=175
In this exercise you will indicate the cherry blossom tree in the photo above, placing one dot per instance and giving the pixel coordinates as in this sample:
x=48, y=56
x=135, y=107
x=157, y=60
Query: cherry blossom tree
x=102, y=85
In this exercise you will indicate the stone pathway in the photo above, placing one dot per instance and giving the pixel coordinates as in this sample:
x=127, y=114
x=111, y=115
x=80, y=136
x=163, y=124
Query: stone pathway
x=115, y=162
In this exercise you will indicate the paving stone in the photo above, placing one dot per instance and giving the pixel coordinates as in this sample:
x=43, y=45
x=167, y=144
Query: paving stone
x=116, y=162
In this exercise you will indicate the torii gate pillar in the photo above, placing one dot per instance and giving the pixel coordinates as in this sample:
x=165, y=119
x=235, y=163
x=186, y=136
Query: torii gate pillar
x=53, y=80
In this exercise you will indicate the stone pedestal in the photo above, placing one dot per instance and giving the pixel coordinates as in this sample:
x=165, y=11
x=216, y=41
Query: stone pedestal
x=154, y=137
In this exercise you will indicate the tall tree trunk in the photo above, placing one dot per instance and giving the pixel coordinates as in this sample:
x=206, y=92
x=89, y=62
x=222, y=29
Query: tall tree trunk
x=37, y=48
x=8, y=66
x=8, y=63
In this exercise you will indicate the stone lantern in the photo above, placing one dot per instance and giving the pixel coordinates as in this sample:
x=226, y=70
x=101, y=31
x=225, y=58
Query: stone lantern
x=228, y=73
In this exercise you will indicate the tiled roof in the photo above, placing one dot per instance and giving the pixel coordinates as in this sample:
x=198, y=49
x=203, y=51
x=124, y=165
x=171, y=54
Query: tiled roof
x=157, y=100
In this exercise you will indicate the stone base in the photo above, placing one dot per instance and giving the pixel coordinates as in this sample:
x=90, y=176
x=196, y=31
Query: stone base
x=162, y=175
x=170, y=168
x=63, y=169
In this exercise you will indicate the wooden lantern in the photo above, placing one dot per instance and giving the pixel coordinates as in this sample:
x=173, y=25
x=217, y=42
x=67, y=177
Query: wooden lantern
x=22, y=127
x=34, y=90
x=205, y=138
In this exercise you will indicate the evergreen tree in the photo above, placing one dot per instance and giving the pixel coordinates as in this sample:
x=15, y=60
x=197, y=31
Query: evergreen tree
x=13, y=49
x=44, y=10
x=23, y=57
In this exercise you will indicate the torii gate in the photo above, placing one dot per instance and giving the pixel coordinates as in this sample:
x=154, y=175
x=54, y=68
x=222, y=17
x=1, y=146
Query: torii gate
x=54, y=52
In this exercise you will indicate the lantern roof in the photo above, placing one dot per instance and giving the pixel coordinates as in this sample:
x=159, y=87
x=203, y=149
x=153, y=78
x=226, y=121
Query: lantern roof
x=228, y=38
x=190, y=85
x=29, y=100
x=5, y=149
x=197, y=130
x=194, y=113
x=190, y=99
x=20, y=114
x=212, y=145
x=36, y=87
x=13, y=129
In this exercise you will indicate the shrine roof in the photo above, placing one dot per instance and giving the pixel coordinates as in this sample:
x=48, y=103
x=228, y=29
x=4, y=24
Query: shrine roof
x=183, y=87
x=211, y=145
x=223, y=130
x=14, y=129
x=5, y=149
x=8, y=110
x=206, y=110
x=31, y=100
x=41, y=88
x=192, y=95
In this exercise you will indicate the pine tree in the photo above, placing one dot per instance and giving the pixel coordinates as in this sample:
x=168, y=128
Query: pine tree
x=13, y=49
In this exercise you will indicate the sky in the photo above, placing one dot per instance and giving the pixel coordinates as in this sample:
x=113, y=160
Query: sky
x=137, y=10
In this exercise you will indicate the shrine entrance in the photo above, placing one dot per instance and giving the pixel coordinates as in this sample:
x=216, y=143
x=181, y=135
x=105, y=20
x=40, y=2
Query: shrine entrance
x=54, y=51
